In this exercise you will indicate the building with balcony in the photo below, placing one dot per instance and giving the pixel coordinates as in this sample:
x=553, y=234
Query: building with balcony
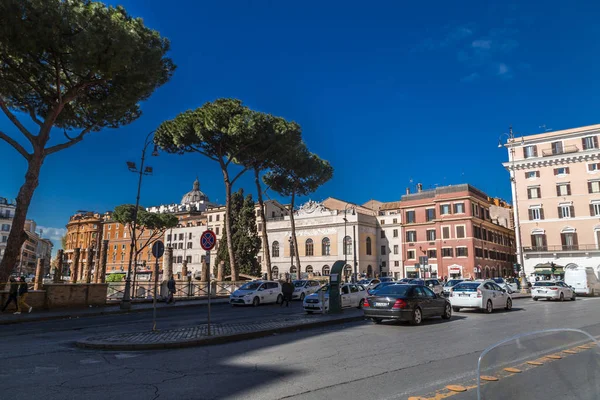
x=7, y=211
x=556, y=189
x=84, y=230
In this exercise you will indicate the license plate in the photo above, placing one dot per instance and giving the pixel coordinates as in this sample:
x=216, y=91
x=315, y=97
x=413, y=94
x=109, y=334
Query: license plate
x=381, y=304
x=541, y=291
x=311, y=307
x=464, y=294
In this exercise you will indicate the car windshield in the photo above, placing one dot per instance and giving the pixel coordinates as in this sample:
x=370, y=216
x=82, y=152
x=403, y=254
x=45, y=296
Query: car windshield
x=324, y=288
x=467, y=287
x=498, y=280
x=364, y=281
x=452, y=282
x=251, y=286
x=299, y=283
x=545, y=284
x=417, y=282
x=396, y=290
x=382, y=285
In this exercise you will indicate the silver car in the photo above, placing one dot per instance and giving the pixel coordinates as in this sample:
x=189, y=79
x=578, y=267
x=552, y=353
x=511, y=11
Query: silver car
x=303, y=288
x=450, y=284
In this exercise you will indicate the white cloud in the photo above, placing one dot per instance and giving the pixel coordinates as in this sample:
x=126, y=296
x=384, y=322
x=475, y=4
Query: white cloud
x=503, y=69
x=482, y=44
x=54, y=234
x=470, y=78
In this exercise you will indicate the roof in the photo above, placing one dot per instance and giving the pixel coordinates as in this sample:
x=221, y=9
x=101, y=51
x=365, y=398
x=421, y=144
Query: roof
x=551, y=134
x=194, y=195
x=336, y=204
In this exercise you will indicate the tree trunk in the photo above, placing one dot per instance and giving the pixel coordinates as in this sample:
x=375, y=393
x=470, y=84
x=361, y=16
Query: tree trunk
x=265, y=238
x=293, y=224
x=233, y=267
x=17, y=236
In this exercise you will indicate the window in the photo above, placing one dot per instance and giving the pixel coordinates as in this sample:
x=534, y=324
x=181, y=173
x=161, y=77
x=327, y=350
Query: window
x=179, y=259
x=460, y=232
x=4, y=239
x=410, y=217
x=557, y=148
x=563, y=189
x=534, y=192
x=566, y=211
x=430, y=235
x=347, y=245
x=595, y=208
x=569, y=239
x=395, y=249
x=382, y=234
x=445, y=209
x=459, y=208
x=5, y=227
x=486, y=254
x=217, y=230
x=259, y=227
x=116, y=235
x=461, y=252
x=275, y=249
x=430, y=214
x=326, y=270
x=532, y=174
x=475, y=209
x=210, y=218
x=122, y=247
x=594, y=186
x=410, y=255
x=562, y=171
x=396, y=263
x=309, y=247
x=536, y=213
x=529, y=151
x=181, y=236
x=478, y=252
x=181, y=245
x=432, y=253
x=189, y=245
x=445, y=232
x=590, y=142
x=326, y=246
x=411, y=236
x=190, y=236
x=188, y=259
x=538, y=240
x=395, y=221
x=447, y=252
x=593, y=167
x=168, y=238
x=395, y=233
x=383, y=250
x=218, y=217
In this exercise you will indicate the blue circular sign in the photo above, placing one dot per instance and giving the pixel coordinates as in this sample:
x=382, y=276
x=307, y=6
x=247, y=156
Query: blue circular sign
x=158, y=249
x=208, y=240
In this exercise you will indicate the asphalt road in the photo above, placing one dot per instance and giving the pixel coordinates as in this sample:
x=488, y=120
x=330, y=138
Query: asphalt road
x=358, y=360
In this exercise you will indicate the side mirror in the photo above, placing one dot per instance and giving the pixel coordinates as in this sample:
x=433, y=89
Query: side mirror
x=503, y=290
x=260, y=289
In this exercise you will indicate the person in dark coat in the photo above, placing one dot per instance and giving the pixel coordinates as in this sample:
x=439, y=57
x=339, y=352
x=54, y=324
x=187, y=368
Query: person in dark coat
x=171, y=288
x=287, y=289
x=23, y=291
x=12, y=294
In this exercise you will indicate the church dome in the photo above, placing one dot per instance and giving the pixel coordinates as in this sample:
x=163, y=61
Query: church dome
x=195, y=195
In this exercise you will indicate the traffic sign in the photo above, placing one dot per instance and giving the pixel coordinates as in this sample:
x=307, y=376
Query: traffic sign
x=423, y=260
x=158, y=249
x=208, y=240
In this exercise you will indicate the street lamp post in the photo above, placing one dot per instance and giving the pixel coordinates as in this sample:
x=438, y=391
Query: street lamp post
x=292, y=251
x=344, y=241
x=143, y=170
x=511, y=144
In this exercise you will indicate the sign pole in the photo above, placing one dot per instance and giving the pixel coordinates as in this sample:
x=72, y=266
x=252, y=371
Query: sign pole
x=207, y=242
x=158, y=249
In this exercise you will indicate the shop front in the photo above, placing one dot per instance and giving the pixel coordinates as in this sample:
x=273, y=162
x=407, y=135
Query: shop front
x=455, y=271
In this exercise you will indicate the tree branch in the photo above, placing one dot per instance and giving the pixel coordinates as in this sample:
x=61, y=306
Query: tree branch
x=16, y=145
x=34, y=117
x=239, y=174
x=15, y=121
x=71, y=142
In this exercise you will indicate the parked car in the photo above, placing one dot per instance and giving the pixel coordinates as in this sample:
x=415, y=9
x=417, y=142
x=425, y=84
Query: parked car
x=387, y=279
x=369, y=282
x=485, y=295
x=379, y=286
x=405, y=280
x=257, y=292
x=552, y=290
x=432, y=284
x=450, y=284
x=303, y=288
x=582, y=279
x=406, y=303
x=514, y=284
x=352, y=295
x=503, y=284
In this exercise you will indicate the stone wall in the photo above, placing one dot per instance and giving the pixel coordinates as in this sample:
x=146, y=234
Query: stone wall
x=77, y=295
x=35, y=298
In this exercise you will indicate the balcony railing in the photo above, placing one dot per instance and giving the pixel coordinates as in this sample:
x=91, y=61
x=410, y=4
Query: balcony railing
x=563, y=150
x=576, y=247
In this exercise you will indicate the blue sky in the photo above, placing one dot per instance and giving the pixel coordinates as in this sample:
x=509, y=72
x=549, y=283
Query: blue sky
x=389, y=92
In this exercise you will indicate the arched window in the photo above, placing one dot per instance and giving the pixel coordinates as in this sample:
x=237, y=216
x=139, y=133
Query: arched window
x=326, y=270
x=309, y=269
x=309, y=247
x=369, y=268
x=275, y=250
x=347, y=245
x=538, y=240
x=293, y=269
x=325, y=246
x=568, y=238
x=275, y=272
x=369, y=251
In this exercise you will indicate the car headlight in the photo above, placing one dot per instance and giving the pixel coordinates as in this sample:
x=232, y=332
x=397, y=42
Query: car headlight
x=248, y=294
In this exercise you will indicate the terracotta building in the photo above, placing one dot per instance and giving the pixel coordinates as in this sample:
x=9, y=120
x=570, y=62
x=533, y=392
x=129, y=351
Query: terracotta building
x=84, y=230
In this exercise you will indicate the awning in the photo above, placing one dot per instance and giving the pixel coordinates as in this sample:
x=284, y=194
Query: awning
x=548, y=266
x=558, y=271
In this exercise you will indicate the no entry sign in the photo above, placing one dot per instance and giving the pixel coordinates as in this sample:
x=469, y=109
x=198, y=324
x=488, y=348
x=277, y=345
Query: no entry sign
x=208, y=240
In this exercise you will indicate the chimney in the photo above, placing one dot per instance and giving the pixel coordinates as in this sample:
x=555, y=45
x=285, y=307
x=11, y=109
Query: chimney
x=407, y=190
x=419, y=187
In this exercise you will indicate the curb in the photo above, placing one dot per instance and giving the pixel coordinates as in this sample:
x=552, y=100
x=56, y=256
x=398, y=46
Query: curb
x=100, y=313
x=84, y=344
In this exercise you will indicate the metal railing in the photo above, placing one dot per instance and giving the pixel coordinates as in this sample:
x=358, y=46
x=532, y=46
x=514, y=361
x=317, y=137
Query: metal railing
x=563, y=150
x=184, y=289
x=576, y=247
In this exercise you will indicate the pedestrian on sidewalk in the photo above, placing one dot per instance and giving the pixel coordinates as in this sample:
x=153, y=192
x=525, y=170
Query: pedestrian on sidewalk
x=23, y=292
x=171, y=288
x=12, y=294
x=287, y=289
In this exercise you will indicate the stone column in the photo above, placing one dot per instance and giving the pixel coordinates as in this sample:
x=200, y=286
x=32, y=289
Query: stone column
x=220, y=272
x=80, y=268
x=184, y=270
x=204, y=275
x=87, y=272
x=75, y=265
x=103, y=258
x=39, y=275
x=59, y=266
x=167, y=263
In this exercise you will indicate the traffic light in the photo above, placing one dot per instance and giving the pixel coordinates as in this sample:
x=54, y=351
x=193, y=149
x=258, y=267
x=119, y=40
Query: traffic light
x=517, y=267
x=553, y=268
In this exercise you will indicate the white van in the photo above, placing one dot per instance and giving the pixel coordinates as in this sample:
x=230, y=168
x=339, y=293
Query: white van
x=582, y=279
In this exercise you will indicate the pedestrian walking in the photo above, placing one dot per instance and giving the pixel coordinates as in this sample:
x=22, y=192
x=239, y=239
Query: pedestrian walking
x=287, y=289
x=12, y=294
x=23, y=292
x=171, y=288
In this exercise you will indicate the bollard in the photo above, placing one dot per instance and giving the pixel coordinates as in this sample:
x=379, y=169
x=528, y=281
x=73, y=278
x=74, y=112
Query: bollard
x=58, y=271
x=39, y=275
x=75, y=265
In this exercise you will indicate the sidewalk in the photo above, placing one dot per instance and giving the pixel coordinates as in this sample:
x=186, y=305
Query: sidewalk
x=221, y=333
x=7, y=318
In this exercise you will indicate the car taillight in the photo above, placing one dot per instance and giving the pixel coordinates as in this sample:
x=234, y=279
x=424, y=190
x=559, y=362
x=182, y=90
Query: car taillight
x=399, y=304
x=479, y=293
x=366, y=303
x=553, y=288
x=451, y=292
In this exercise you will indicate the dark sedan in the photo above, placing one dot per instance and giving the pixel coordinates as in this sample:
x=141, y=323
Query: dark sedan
x=378, y=287
x=406, y=303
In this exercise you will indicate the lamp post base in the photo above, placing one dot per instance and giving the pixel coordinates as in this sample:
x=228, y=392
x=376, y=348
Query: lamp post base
x=125, y=305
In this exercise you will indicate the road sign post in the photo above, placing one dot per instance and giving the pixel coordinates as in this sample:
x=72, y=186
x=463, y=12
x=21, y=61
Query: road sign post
x=158, y=249
x=208, y=239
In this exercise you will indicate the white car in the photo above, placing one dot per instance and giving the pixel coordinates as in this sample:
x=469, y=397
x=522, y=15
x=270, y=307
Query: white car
x=257, y=292
x=503, y=284
x=303, y=288
x=552, y=290
x=352, y=295
x=485, y=295
x=369, y=283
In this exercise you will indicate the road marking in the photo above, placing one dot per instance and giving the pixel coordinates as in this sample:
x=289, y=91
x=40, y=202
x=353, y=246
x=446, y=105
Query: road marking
x=554, y=357
x=513, y=370
x=534, y=363
x=488, y=378
x=569, y=352
x=585, y=347
x=456, y=388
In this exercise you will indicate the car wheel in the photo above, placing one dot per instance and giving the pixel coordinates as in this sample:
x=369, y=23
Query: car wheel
x=508, y=305
x=377, y=320
x=447, y=312
x=309, y=312
x=302, y=296
x=256, y=302
x=280, y=299
x=417, y=317
x=574, y=297
x=535, y=298
x=456, y=309
x=489, y=307
x=562, y=296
